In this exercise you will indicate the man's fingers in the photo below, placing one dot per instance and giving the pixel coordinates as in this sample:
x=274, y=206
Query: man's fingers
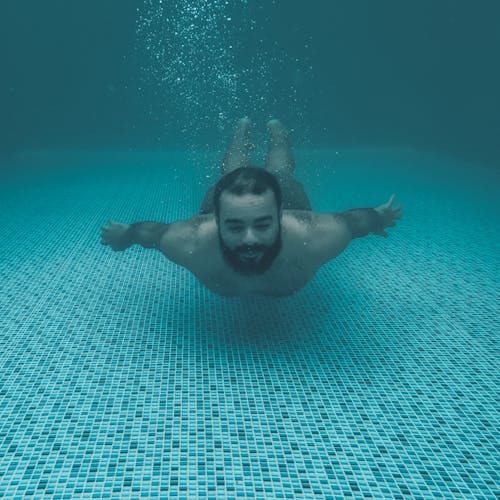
x=391, y=200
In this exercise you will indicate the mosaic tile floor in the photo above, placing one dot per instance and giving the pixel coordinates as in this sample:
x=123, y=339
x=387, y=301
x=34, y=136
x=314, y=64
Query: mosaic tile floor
x=122, y=377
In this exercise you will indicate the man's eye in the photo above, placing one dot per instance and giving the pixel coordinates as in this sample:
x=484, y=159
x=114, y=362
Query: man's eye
x=235, y=229
x=262, y=227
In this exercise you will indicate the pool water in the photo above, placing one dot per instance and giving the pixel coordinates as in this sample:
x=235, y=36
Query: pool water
x=122, y=377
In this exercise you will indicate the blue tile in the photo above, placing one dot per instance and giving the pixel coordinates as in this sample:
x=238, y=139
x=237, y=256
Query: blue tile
x=123, y=377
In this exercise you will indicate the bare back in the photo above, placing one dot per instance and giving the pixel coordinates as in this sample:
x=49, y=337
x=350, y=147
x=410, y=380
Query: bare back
x=309, y=239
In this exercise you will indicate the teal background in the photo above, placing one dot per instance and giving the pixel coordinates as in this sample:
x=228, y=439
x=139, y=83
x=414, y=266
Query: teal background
x=392, y=73
x=122, y=377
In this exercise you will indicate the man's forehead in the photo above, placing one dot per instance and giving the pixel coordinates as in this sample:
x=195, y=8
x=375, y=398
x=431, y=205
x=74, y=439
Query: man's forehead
x=247, y=206
x=268, y=192
x=236, y=220
x=231, y=201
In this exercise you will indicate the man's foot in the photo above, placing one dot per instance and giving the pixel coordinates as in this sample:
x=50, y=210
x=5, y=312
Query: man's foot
x=242, y=135
x=244, y=122
x=279, y=134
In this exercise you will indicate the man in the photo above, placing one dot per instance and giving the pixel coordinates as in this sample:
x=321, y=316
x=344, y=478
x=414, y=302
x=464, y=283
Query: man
x=256, y=233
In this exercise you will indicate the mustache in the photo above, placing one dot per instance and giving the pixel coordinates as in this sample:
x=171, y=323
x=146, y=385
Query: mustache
x=251, y=248
x=236, y=257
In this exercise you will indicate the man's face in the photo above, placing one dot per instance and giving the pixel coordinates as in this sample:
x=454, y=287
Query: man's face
x=249, y=231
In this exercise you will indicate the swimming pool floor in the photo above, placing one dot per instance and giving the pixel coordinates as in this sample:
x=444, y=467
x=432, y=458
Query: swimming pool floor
x=122, y=377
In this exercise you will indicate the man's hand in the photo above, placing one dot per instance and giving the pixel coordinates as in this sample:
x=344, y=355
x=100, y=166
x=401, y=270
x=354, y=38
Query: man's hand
x=115, y=235
x=389, y=214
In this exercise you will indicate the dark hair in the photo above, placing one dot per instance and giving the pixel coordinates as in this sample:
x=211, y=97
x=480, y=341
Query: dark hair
x=245, y=180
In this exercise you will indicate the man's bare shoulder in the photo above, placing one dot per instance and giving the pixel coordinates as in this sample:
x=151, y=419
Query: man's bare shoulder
x=193, y=227
x=311, y=222
x=186, y=238
x=325, y=233
x=298, y=221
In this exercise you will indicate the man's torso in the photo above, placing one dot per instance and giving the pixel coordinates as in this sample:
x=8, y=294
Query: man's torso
x=293, y=268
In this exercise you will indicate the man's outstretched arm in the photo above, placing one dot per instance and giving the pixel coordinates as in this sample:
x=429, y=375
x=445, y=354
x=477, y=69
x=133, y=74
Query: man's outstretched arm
x=337, y=230
x=364, y=221
x=121, y=236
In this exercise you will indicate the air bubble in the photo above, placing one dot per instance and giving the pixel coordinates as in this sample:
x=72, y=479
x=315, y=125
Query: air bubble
x=193, y=65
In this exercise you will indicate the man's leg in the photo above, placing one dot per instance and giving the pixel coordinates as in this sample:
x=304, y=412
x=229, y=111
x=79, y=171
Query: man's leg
x=236, y=157
x=281, y=163
x=279, y=160
x=239, y=149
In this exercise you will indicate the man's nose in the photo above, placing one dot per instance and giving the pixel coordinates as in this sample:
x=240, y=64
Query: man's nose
x=249, y=237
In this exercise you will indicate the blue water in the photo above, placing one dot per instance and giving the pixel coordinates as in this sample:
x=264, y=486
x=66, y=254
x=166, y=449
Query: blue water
x=122, y=377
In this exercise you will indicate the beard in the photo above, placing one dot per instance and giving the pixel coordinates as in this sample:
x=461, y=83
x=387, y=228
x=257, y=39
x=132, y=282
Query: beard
x=251, y=265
